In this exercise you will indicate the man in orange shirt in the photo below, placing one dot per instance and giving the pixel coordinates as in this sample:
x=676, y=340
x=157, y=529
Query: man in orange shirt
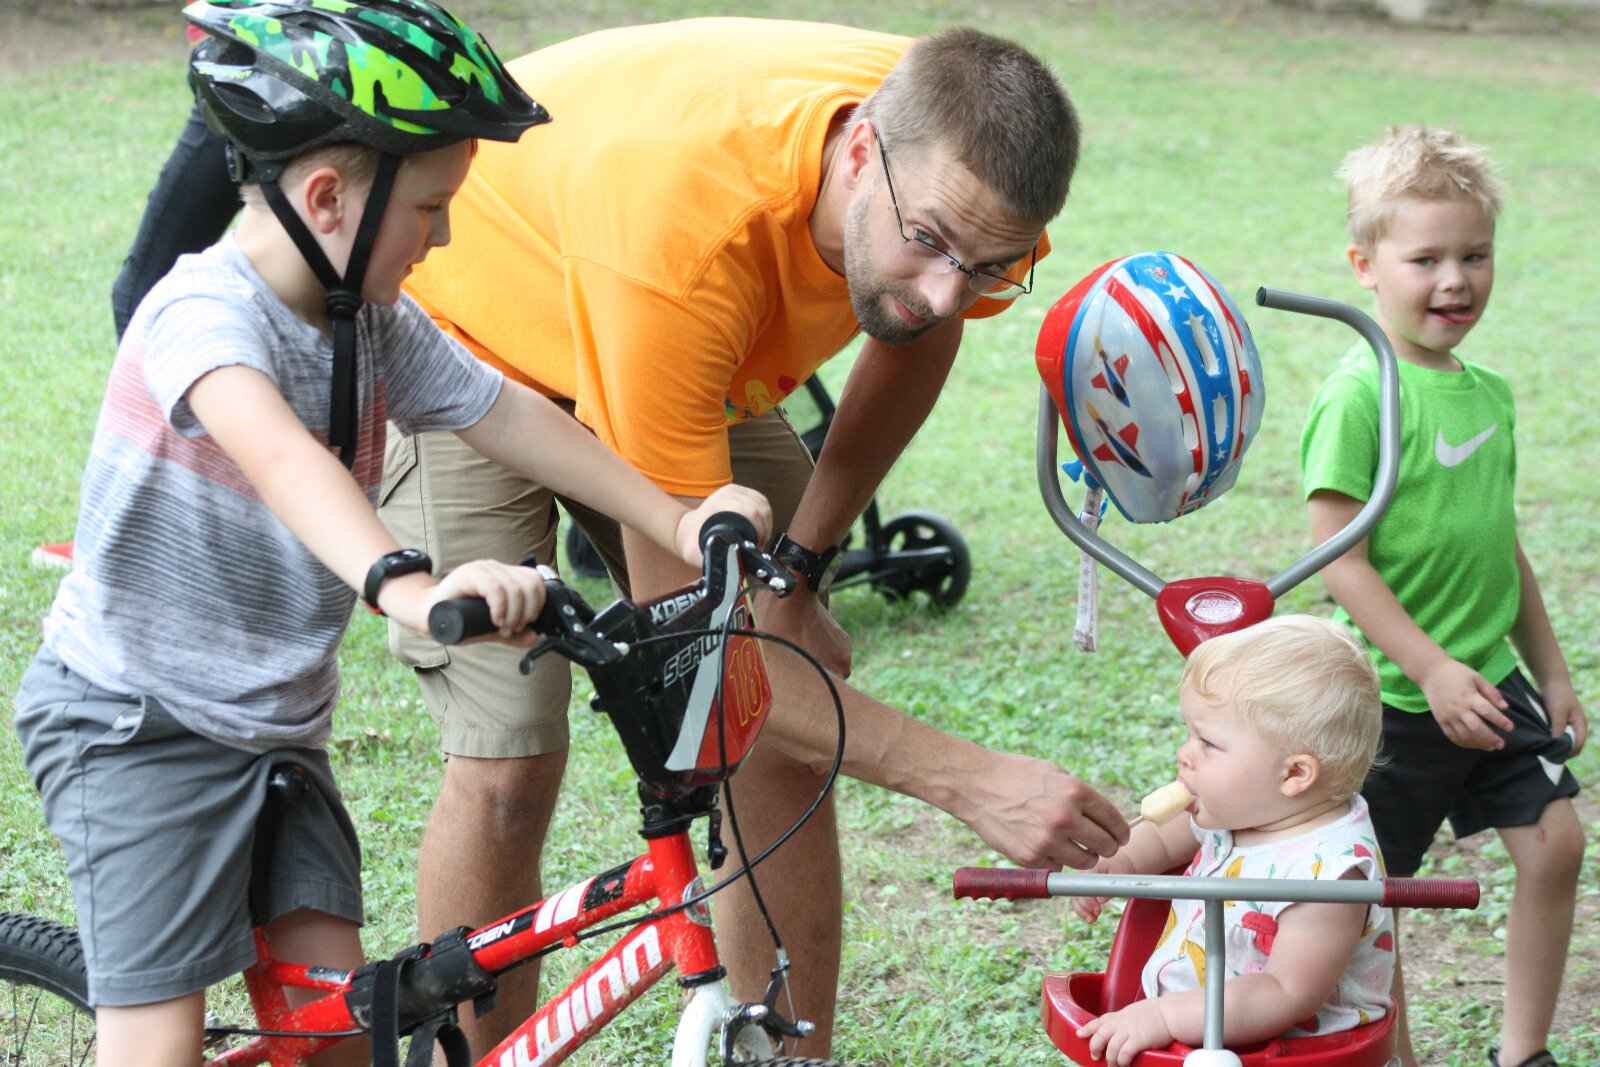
x=711, y=214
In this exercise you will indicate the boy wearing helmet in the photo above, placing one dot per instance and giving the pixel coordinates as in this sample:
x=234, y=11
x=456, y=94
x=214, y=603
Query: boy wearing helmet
x=1442, y=582
x=227, y=518
x=721, y=207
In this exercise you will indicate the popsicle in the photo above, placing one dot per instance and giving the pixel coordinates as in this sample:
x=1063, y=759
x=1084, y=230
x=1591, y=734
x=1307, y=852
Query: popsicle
x=1164, y=804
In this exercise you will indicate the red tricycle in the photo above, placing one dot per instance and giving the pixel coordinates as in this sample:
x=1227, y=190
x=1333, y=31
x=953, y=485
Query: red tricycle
x=1209, y=405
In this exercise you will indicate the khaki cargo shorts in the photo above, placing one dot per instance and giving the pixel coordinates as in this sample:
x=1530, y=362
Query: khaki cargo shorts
x=441, y=496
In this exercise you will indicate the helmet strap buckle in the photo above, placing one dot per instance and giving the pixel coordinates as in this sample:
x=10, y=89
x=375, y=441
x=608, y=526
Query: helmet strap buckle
x=343, y=296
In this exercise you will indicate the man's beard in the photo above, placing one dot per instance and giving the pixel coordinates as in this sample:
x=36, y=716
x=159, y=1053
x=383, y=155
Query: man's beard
x=867, y=292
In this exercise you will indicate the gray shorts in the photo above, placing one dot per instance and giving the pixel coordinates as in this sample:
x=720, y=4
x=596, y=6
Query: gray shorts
x=441, y=496
x=160, y=830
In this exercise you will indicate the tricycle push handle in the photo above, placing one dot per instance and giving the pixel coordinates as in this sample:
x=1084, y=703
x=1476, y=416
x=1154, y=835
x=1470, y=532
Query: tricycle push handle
x=1015, y=884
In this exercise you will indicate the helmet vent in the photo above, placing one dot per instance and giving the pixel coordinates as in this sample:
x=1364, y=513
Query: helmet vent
x=1174, y=375
x=1202, y=345
x=243, y=103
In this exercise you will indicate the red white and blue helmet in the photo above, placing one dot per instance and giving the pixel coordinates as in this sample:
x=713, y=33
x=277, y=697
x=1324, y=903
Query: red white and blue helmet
x=1157, y=380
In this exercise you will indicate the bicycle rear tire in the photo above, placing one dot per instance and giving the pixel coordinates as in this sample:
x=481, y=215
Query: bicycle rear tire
x=46, y=994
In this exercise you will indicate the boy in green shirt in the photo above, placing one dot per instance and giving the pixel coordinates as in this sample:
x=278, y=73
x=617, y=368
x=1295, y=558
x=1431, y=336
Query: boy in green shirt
x=1441, y=583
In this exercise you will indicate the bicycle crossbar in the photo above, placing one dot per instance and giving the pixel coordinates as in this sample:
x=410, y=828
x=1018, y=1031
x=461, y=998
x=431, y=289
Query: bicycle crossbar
x=1015, y=883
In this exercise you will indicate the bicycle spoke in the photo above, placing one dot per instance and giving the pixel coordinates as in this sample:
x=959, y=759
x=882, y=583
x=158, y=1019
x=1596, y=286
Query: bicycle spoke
x=45, y=1030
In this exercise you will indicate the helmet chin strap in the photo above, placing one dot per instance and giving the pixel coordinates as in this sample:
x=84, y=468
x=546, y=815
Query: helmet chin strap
x=343, y=296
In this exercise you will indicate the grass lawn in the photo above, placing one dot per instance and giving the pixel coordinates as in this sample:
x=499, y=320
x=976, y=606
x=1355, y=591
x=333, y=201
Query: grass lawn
x=1211, y=130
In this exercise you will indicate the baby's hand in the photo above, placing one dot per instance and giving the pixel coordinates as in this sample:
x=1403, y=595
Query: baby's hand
x=1089, y=908
x=1466, y=705
x=747, y=502
x=1120, y=1036
x=514, y=594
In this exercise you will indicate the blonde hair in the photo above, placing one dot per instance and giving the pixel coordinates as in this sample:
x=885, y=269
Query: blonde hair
x=1305, y=684
x=1414, y=163
x=357, y=162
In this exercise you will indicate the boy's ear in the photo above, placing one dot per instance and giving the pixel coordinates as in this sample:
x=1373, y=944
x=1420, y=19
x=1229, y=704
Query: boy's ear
x=1301, y=771
x=325, y=196
x=1361, y=263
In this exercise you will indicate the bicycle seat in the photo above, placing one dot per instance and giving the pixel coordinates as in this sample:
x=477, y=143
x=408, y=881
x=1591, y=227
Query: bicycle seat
x=1071, y=1000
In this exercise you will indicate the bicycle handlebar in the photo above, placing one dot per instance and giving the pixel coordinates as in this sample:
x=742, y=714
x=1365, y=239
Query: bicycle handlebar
x=564, y=612
x=1015, y=884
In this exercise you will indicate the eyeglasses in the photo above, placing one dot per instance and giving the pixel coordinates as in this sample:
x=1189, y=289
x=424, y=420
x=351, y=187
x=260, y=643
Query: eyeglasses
x=982, y=282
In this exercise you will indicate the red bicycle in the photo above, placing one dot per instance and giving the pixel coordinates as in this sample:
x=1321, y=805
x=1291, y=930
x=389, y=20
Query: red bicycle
x=683, y=681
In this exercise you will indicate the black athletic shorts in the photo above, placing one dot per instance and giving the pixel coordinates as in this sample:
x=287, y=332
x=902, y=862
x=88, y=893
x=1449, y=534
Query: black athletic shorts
x=1427, y=778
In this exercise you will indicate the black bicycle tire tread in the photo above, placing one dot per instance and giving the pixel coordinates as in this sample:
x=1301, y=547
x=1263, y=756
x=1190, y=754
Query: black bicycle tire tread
x=44, y=952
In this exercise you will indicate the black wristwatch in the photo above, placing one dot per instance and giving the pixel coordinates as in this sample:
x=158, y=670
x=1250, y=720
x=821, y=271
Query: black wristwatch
x=817, y=568
x=393, y=565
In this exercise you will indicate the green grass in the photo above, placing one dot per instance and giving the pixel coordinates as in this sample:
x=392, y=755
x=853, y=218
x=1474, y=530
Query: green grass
x=1212, y=130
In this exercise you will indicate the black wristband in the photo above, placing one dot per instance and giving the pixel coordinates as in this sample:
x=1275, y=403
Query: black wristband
x=393, y=565
x=816, y=568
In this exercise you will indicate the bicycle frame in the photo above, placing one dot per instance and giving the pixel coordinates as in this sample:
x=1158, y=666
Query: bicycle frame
x=679, y=782
x=641, y=957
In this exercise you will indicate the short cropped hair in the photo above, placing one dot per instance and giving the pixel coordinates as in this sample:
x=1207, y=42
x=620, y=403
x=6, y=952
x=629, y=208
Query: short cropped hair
x=1001, y=111
x=1414, y=163
x=1305, y=684
x=356, y=161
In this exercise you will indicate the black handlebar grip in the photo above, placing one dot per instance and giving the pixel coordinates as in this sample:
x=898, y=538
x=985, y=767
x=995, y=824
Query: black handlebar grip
x=1430, y=893
x=454, y=621
x=730, y=524
x=1001, y=883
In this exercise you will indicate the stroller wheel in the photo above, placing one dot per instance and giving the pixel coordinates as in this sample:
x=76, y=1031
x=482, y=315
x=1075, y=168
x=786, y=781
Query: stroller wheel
x=582, y=556
x=928, y=555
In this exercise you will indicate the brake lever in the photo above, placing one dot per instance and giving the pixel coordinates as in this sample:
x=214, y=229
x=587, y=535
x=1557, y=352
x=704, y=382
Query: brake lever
x=577, y=639
x=763, y=568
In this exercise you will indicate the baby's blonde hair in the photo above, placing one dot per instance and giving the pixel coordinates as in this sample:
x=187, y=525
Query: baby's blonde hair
x=1305, y=684
x=1414, y=163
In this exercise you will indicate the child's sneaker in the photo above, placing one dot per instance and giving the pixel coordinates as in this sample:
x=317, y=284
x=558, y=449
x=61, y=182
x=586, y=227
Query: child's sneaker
x=57, y=555
x=1542, y=1058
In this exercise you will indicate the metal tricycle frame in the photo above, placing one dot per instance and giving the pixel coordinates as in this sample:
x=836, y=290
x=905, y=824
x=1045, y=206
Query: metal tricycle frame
x=1194, y=609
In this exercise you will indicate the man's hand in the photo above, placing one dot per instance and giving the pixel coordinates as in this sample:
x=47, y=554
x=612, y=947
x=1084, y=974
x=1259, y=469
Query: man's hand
x=802, y=618
x=1037, y=815
x=1121, y=1035
x=1463, y=701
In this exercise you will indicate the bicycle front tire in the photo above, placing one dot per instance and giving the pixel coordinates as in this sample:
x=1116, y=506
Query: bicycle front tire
x=45, y=994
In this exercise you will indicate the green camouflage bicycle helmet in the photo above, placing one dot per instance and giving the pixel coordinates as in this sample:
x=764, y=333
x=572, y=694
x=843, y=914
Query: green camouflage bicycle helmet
x=277, y=77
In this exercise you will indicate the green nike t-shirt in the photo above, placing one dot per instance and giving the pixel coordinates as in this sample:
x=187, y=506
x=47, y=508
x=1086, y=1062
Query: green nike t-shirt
x=1447, y=544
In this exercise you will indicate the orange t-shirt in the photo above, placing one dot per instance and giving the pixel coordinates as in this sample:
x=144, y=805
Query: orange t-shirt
x=647, y=253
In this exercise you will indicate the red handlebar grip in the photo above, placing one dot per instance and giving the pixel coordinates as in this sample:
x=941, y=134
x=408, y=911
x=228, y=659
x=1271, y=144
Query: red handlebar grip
x=1001, y=883
x=1430, y=893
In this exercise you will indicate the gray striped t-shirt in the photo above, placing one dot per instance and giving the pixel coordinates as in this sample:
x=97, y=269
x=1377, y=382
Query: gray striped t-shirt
x=185, y=586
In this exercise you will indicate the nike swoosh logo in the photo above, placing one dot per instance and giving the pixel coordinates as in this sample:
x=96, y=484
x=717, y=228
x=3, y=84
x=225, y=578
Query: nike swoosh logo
x=1455, y=455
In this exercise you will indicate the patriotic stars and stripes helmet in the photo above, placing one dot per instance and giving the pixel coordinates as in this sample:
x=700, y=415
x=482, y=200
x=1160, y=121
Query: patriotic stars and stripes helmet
x=1157, y=380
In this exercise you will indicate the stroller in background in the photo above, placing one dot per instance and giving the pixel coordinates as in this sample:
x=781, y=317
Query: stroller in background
x=912, y=552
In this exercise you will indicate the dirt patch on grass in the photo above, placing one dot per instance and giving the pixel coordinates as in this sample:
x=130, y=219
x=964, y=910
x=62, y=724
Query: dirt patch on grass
x=38, y=37
x=1459, y=956
x=34, y=36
